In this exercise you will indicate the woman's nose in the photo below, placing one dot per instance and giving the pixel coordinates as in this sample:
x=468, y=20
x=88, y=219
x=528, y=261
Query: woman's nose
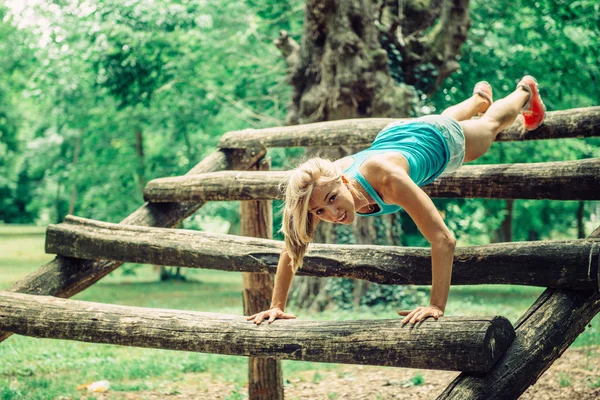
x=332, y=211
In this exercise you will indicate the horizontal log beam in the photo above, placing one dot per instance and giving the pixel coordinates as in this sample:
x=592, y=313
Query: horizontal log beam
x=450, y=343
x=64, y=277
x=565, y=264
x=564, y=180
x=572, y=123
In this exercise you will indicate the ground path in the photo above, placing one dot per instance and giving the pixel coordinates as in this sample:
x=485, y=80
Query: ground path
x=576, y=375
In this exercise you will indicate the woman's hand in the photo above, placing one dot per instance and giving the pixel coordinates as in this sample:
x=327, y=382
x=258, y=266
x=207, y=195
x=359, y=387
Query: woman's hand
x=420, y=313
x=271, y=314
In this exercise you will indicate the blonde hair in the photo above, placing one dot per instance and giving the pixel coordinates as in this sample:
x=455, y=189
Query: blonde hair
x=299, y=224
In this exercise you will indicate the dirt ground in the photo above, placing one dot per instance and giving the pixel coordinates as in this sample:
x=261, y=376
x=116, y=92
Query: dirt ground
x=574, y=376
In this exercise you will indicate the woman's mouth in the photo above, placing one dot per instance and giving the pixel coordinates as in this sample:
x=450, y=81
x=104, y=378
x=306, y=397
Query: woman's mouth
x=343, y=218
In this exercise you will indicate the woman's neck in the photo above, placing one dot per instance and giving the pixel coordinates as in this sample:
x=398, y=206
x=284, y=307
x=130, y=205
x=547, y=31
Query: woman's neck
x=361, y=198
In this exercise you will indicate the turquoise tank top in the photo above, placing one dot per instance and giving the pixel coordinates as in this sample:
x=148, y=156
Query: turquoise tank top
x=423, y=146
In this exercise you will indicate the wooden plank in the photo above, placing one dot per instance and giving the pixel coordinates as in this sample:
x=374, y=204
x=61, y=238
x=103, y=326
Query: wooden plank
x=543, y=263
x=450, y=343
x=572, y=123
x=549, y=180
x=64, y=277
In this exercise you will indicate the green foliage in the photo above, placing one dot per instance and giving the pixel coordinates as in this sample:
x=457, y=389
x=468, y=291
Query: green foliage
x=417, y=380
x=393, y=297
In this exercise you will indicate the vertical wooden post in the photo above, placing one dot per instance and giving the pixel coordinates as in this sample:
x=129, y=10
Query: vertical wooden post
x=265, y=380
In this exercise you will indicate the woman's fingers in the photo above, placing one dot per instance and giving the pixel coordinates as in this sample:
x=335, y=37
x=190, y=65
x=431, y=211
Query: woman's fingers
x=419, y=314
x=251, y=317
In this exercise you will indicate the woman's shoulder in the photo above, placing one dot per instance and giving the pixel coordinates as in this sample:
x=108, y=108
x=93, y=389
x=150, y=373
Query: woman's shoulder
x=344, y=163
x=384, y=164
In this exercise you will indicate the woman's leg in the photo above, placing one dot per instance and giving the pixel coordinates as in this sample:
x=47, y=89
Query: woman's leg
x=481, y=133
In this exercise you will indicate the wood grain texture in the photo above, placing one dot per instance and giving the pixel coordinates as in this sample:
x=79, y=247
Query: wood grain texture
x=549, y=180
x=563, y=264
x=450, y=343
x=572, y=123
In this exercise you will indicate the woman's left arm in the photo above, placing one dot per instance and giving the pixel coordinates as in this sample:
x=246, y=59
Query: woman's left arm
x=401, y=190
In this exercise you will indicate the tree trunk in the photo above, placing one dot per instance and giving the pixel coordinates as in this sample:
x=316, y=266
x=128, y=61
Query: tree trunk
x=580, y=224
x=504, y=232
x=265, y=379
x=139, y=151
x=73, y=197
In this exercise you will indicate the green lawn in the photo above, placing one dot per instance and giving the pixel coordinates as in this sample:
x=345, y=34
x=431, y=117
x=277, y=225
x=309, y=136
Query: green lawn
x=47, y=369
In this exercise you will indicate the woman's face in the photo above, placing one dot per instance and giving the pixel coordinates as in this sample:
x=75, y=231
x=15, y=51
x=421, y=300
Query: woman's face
x=332, y=202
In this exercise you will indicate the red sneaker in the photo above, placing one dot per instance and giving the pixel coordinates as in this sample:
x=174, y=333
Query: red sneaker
x=484, y=89
x=534, y=110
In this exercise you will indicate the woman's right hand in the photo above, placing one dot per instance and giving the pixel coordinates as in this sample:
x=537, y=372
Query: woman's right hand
x=272, y=314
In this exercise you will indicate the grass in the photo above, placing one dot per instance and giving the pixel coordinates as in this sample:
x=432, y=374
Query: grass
x=48, y=369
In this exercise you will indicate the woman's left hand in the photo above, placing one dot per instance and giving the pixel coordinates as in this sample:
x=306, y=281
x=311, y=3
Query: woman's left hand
x=420, y=313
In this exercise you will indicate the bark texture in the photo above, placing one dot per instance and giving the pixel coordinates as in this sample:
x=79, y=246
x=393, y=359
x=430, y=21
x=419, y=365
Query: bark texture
x=544, y=332
x=550, y=180
x=572, y=123
x=565, y=264
x=64, y=277
x=265, y=379
x=450, y=343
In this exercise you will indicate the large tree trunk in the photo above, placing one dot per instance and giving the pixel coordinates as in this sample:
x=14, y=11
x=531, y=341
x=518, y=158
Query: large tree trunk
x=341, y=71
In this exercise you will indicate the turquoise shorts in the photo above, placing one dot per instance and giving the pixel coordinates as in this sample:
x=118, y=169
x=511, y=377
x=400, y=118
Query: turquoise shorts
x=454, y=135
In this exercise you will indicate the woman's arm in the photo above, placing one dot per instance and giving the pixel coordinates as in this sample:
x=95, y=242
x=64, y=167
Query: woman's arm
x=283, y=281
x=399, y=189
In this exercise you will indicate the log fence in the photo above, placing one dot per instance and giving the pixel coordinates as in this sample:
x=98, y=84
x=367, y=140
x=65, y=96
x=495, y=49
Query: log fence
x=496, y=360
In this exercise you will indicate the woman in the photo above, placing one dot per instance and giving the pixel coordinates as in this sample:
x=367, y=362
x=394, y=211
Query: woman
x=387, y=176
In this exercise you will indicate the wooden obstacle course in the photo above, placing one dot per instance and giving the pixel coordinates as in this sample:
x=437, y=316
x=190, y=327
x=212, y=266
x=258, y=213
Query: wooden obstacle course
x=526, y=359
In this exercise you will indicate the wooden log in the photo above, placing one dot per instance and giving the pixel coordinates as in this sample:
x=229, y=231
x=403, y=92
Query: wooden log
x=450, y=343
x=549, y=180
x=566, y=264
x=572, y=123
x=64, y=277
x=544, y=332
x=265, y=378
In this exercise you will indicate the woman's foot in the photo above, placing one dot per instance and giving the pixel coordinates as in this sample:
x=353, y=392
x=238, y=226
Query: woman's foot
x=483, y=89
x=534, y=110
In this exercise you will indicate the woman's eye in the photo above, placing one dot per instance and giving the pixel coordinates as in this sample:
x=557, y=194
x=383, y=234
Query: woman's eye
x=319, y=211
x=332, y=198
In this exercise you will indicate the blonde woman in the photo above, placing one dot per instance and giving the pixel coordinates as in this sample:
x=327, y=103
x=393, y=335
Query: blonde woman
x=387, y=176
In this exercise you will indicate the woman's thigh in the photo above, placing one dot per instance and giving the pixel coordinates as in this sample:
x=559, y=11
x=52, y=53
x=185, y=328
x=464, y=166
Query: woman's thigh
x=479, y=136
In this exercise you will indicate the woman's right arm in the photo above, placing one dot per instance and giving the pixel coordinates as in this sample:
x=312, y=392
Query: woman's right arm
x=283, y=281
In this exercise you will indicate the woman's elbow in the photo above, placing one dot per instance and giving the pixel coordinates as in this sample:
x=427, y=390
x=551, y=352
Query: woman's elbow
x=446, y=241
